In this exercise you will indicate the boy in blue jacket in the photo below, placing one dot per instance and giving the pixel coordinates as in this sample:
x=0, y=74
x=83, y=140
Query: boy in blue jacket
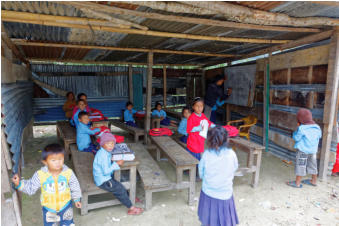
x=84, y=142
x=306, y=140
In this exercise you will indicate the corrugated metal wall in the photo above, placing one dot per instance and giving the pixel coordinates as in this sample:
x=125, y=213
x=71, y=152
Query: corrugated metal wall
x=17, y=109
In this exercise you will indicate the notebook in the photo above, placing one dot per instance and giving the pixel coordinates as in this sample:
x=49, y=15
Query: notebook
x=122, y=152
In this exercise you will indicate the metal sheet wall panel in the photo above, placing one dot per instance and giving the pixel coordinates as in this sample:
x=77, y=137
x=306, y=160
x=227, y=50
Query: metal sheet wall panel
x=17, y=110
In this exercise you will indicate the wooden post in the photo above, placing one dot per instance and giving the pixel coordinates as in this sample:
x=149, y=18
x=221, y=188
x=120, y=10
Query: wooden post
x=331, y=94
x=310, y=100
x=148, y=95
x=165, y=86
x=203, y=82
x=130, y=82
x=266, y=102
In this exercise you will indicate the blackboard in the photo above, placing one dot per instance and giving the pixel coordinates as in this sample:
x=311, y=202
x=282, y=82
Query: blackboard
x=242, y=81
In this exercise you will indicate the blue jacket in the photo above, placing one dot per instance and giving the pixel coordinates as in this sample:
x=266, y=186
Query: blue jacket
x=306, y=138
x=128, y=115
x=103, y=167
x=217, y=171
x=218, y=104
x=83, y=135
x=182, y=127
x=156, y=113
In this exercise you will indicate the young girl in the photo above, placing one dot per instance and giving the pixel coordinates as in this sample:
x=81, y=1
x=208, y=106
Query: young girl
x=216, y=169
x=69, y=105
x=128, y=114
x=195, y=142
x=186, y=113
x=82, y=96
x=159, y=113
x=81, y=106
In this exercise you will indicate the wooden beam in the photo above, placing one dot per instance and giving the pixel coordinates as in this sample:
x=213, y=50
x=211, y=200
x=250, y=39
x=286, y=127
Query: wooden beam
x=148, y=95
x=48, y=20
x=130, y=82
x=244, y=14
x=24, y=42
x=328, y=3
x=331, y=94
x=183, y=19
x=266, y=103
x=164, y=86
x=50, y=60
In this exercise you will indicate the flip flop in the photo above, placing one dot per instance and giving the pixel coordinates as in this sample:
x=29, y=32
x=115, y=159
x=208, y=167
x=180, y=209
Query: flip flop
x=308, y=182
x=293, y=184
x=135, y=211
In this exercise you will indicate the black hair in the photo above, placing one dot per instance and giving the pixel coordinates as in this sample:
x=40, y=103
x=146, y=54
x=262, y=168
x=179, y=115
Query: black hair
x=184, y=109
x=129, y=103
x=69, y=93
x=219, y=77
x=81, y=94
x=52, y=149
x=196, y=100
x=157, y=104
x=82, y=114
x=217, y=138
x=80, y=101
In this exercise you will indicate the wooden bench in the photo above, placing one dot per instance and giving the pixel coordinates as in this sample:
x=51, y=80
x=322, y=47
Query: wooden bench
x=181, y=160
x=152, y=177
x=254, y=152
x=83, y=166
x=136, y=132
x=68, y=134
x=174, y=114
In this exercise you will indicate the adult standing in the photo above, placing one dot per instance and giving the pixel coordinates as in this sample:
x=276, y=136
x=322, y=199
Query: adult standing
x=215, y=92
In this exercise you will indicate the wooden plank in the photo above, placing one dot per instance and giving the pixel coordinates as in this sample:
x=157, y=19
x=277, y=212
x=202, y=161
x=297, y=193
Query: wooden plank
x=330, y=110
x=148, y=95
x=266, y=101
x=174, y=151
x=130, y=82
x=164, y=86
x=5, y=149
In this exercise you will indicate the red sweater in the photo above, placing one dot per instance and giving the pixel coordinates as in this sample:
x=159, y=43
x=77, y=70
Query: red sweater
x=195, y=142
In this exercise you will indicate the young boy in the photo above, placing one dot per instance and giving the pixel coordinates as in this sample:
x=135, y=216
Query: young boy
x=58, y=184
x=159, y=113
x=306, y=142
x=128, y=114
x=83, y=134
x=186, y=113
x=81, y=104
x=103, y=169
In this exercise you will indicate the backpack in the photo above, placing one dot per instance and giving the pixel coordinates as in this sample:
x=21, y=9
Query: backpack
x=232, y=131
x=96, y=115
x=140, y=114
x=104, y=129
x=160, y=132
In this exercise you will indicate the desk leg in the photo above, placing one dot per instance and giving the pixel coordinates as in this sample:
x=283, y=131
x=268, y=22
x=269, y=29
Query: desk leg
x=132, y=181
x=117, y=175
x=191, y=190
x=255, y=177
x=179, y=172
x=84, y=203
x=250, y=159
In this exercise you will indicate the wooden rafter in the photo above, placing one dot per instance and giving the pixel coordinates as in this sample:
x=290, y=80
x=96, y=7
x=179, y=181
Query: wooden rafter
x=24, y=42
x=33, y=18
x=183, y=19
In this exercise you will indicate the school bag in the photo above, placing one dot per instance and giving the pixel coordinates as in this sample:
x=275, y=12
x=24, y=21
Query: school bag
x=140, y=114
x=96, y=115
x=232, y=131
x=160, y=132
x=104, y=129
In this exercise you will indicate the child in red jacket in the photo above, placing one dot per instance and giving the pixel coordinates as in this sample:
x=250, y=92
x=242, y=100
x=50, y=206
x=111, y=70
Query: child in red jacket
x=196, y=125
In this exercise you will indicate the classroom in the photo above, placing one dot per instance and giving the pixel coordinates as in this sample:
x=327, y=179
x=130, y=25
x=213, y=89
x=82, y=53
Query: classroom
x=174, y=113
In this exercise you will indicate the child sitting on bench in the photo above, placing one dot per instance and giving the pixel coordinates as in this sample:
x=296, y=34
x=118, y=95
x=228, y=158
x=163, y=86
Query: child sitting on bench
x=183, y=124
x=103, y=169
x=81, y=104
x=159, y=113
x=82, y=96
x=83, y=134
x=128, y=114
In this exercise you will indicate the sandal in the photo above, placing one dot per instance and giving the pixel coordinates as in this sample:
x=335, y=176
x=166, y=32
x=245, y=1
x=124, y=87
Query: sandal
x=308, y=182
x=293, y=184
x=135, y=211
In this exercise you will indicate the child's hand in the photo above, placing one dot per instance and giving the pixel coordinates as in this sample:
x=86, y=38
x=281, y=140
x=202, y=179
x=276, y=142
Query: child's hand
x=78, y=205
x=16, y=180
x=298, y=123
x=120, y=162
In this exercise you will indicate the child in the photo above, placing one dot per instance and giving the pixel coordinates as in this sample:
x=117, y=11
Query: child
x=195, y=142
x=216, y=169
x=103, y=169
x=82, y=96
x=83, y=134
x=306, y=142
x=128, y=114
x=69, y=105
x=159, y=113
x=183, y=124
x=81, y=106
x=58, y=185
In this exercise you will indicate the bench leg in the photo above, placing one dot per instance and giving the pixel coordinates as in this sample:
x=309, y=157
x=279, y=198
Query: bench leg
x=132, y=182
x=255, y=176
x=136, y=138
x=179, y=175
x=67, y=150
x=148, y=199
x=58, y=133
x=158, y=155
x=84, y=204
x=191, y=190
x=250, y=159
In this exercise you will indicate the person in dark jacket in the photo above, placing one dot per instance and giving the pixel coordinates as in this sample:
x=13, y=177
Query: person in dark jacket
x=215, y=91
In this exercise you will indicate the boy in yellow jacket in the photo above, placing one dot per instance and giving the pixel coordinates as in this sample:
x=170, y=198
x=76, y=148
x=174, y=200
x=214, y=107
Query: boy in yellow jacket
x=58, y=184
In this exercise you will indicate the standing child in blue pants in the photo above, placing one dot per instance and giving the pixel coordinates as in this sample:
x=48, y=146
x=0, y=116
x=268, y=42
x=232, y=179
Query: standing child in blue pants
x=306, y=140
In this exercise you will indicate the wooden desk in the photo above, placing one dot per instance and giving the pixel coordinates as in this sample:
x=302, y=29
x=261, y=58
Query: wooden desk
x=101, y=123
x=254, y=152
x=181, y=160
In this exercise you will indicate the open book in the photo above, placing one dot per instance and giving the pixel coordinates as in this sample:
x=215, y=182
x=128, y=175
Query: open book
x=122, y=152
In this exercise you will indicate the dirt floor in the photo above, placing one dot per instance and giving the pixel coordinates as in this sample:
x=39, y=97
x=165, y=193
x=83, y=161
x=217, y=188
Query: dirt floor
x=271, y=203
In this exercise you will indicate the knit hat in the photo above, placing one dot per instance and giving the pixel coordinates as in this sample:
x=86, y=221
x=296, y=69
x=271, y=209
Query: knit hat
x=304, y=116
x=106, y=137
